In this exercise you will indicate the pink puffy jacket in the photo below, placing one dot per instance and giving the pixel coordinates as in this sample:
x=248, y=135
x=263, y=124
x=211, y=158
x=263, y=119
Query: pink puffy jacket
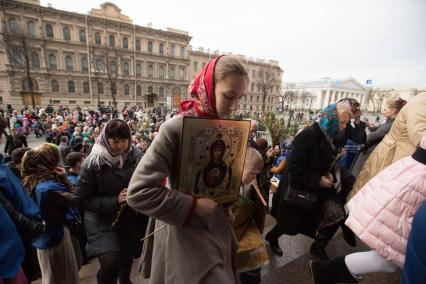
x=381, y=213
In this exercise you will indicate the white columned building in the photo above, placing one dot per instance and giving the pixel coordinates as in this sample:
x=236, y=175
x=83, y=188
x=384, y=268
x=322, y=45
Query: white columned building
x=318, y=94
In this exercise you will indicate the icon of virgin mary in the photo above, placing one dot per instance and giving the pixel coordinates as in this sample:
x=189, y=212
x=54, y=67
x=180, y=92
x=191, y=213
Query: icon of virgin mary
x=216, y=175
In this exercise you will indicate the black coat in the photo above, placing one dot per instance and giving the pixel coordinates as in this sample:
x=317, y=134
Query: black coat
x=96, y=192
x=311, y=157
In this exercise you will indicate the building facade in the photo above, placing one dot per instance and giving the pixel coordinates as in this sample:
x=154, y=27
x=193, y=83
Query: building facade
x=87, y=59
x=81, y=60
x=264, y=79
x=315, y=95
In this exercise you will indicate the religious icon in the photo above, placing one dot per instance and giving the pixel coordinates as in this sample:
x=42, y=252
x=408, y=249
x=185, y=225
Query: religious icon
x=212, y=157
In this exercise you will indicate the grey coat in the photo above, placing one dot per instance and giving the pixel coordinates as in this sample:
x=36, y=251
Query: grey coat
x=96, y=192
x=191, y=249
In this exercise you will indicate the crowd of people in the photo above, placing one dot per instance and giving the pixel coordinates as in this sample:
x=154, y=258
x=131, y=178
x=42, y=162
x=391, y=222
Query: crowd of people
x=103, y=185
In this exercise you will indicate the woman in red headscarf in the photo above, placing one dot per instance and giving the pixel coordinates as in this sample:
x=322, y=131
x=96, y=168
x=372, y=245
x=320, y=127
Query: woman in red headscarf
x=197, y=246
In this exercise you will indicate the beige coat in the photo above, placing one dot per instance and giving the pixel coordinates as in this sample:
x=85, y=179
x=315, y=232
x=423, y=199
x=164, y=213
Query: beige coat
x=400, y=142
x=201, y=251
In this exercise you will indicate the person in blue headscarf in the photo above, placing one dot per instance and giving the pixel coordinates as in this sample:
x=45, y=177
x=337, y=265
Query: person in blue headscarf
x=310, y=170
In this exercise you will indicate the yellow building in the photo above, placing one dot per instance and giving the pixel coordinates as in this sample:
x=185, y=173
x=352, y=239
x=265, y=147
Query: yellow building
x=87, y=59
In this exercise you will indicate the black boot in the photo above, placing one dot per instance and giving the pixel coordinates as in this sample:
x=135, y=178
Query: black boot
x=331, y=272
x=273, y=244
x=318, y=251
x=348, y=235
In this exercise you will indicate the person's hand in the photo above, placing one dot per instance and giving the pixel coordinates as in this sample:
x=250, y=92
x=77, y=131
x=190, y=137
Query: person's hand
x=205, y=206
x=325, y=182
x=270, y=152
x=122, y=196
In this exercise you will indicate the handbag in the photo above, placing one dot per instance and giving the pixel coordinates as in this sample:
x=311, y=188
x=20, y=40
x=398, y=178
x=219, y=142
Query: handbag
x=300, y=198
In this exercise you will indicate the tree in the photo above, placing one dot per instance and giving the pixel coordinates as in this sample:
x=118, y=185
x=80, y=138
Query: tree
x=20, y=48
x=106, y=60
x=266, y=80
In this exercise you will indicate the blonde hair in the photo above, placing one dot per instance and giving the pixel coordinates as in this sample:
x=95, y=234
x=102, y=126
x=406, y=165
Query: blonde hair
x=395, y=103
x=227, y=65
x=342, y=108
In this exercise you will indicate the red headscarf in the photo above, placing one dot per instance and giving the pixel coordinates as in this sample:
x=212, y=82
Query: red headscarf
x=203, y=93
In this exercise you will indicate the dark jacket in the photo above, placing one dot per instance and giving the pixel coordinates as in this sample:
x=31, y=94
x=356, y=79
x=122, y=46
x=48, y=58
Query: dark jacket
x=415, y=257
x=311, y=157
x=373, y=139
x=96, y=192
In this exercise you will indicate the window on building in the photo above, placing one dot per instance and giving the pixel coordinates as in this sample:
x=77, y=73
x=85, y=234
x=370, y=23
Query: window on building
x=35, y=60
x=161, y=49
x=31, y=28
x=172, y=50
x=126, y=70
x=55, y=86
x=150, y=46
x=100, y=88
x=69, y=63
x=13, y=25
x=161, y=72
x=17, y=60
x=126, y=90
x=253, y=73
x=257, y=99
x=66, y=32
x=138, y=90
x=150, y=71
x=258, y=88
x=125, y=43
x=49, y=31
x=71, y=87
x=171, y=72
x=138, y=70
x=252, y=87
x=111, y=41
x=113, y=89
x=113, y=68
x=202, y=65
x=86, y=88
x=98, y=64
x=97, y=39
x=138, y=44
x=181, y=74
x=195, y=65
x=82, y=36
x=84, y=64
x=150, y=90
x=251, y=98
x=52, y=62
x=182, y=52
x=161, y=91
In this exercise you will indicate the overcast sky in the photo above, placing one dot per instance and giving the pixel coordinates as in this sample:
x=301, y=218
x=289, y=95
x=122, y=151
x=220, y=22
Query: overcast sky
x=381, y=40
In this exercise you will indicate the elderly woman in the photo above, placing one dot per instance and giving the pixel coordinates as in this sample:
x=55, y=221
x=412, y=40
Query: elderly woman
x=49, y=185
x=113, y=229
x=310, y=170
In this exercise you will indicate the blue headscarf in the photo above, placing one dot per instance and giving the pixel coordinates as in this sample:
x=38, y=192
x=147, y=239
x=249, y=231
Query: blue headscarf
x=329, y=121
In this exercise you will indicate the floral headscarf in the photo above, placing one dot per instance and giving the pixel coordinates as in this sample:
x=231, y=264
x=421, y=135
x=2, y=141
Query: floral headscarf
x=329, y=121
x=202, y=90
